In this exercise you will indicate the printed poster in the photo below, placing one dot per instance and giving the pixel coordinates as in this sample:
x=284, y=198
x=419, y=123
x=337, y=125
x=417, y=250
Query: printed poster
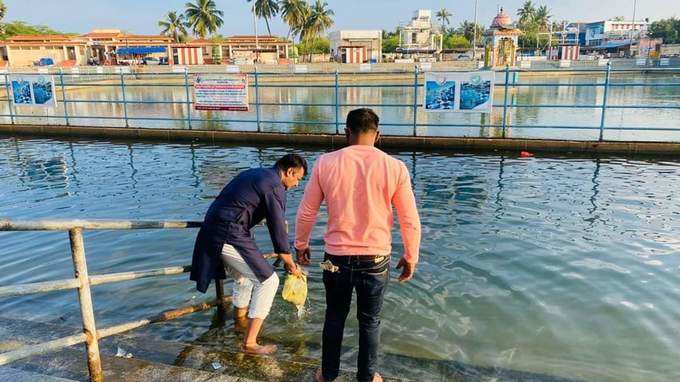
x=459, y=91
x=33, y=90
x=224, y=93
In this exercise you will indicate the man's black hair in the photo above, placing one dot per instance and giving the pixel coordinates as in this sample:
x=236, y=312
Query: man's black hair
x=291, y=161
x=362, y=120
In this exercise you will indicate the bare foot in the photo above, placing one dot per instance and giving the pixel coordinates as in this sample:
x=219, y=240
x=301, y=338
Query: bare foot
x=377, y=377
x=259, y=349
x=318, y=377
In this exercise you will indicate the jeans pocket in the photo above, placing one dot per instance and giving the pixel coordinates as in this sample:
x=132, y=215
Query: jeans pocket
x=380, y=275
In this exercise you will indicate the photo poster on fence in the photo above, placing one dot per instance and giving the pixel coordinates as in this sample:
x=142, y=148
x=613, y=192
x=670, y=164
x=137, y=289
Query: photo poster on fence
x=459, y=91
x=33, y=90
x=221, y=93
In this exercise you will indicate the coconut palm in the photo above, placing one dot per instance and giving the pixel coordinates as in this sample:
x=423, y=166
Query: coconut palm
x=470, y=30
x=542, y=17
x=203, y=17
x=443, y=17
x=526, y=13
x=3, y=12
x=174, y=26
x=294, y=13
x=318, y=21
x=266, y=9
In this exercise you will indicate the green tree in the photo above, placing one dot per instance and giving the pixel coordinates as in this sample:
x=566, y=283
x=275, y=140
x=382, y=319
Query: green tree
x=667, y=29
x=266, y=9
x=542, y=18
x=295, y=14
x=174, y=26
x=319, y=20
x=390, y=43
x=317, y=45
x=443, y=17
x=526, y=14
x=468, y=30
x=14, y=28
x=203, y=17
x=3, y=12
x=456, y=41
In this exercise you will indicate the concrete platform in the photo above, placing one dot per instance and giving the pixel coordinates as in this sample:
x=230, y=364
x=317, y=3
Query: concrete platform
x=211, y=358
x=335, y=141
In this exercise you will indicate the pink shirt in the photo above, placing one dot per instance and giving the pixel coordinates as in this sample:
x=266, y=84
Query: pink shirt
x=360, y=184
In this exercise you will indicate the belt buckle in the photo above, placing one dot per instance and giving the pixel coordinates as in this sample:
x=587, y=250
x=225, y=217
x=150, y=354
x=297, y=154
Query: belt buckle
x=327, y=265
x=378, y=259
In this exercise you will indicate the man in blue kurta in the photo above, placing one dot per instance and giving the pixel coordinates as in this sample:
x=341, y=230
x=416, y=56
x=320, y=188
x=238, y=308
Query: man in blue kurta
x=224, y=240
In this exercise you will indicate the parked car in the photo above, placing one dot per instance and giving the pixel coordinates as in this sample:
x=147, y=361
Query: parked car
x=45, y=61
x=150, y=61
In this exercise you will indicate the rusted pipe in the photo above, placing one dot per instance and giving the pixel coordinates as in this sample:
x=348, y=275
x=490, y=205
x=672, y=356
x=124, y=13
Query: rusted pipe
x=94, y=363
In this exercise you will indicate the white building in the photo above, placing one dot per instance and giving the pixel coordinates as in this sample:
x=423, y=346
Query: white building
x=420, y=37
x=356, y=46
x=599, y=32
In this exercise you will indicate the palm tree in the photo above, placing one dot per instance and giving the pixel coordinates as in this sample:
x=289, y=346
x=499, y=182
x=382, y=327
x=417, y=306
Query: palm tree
x=542, y=17
x=443, y=17
x=3, y=12
x=318, y=21
x=526, y=13
x=295, y=13
x=470, y=29
x=174, y=26
x=266, y=9
x=203, y=17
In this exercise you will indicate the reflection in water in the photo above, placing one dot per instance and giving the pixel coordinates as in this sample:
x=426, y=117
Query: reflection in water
x=521, y=116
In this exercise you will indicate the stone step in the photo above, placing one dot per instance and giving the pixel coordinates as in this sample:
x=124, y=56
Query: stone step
x=18, y=375
x=214, y=355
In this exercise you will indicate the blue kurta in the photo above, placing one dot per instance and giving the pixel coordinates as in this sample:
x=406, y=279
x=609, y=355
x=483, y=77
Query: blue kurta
x=251, y=196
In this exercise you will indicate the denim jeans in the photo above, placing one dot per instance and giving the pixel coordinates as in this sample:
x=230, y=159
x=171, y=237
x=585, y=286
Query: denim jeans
x=369, y=279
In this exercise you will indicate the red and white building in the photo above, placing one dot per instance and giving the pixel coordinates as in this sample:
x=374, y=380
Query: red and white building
x=564, y=52
x=356, y=46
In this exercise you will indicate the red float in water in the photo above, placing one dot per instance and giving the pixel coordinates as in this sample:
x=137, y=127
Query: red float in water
x=525, y=154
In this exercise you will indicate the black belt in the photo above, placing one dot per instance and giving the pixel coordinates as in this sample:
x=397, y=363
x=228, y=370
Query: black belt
x=374, y=259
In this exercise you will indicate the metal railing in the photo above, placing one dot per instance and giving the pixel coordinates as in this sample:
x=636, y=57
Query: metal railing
x=333, y=81
x=83, y=282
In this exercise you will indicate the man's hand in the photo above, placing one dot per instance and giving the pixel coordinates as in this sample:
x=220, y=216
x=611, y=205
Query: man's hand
x=407, y=271
x=304, y=256
x=289, y=264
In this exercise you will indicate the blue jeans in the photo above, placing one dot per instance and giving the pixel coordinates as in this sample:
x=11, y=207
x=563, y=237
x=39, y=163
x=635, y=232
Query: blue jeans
x=369, y=279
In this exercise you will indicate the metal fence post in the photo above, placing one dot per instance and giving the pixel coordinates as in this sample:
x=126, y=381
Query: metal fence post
x=257, y=100
x=337, y=103
x=186, y=90
x=122, y=87
x=85, y=298
x=9, y=99
x=63, y=95
x=604, y=99
x=415, y=101
x=505, y=99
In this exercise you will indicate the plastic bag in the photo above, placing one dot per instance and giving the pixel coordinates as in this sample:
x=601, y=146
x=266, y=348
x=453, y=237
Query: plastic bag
x=295, y=289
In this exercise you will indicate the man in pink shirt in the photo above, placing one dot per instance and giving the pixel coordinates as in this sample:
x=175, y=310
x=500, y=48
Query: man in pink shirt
x=359, y=185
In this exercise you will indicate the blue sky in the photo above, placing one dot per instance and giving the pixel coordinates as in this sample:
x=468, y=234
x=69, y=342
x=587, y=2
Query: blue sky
x=141, y=16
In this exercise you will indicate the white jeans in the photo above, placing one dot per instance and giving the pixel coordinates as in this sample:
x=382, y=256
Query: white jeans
x=248, y=290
